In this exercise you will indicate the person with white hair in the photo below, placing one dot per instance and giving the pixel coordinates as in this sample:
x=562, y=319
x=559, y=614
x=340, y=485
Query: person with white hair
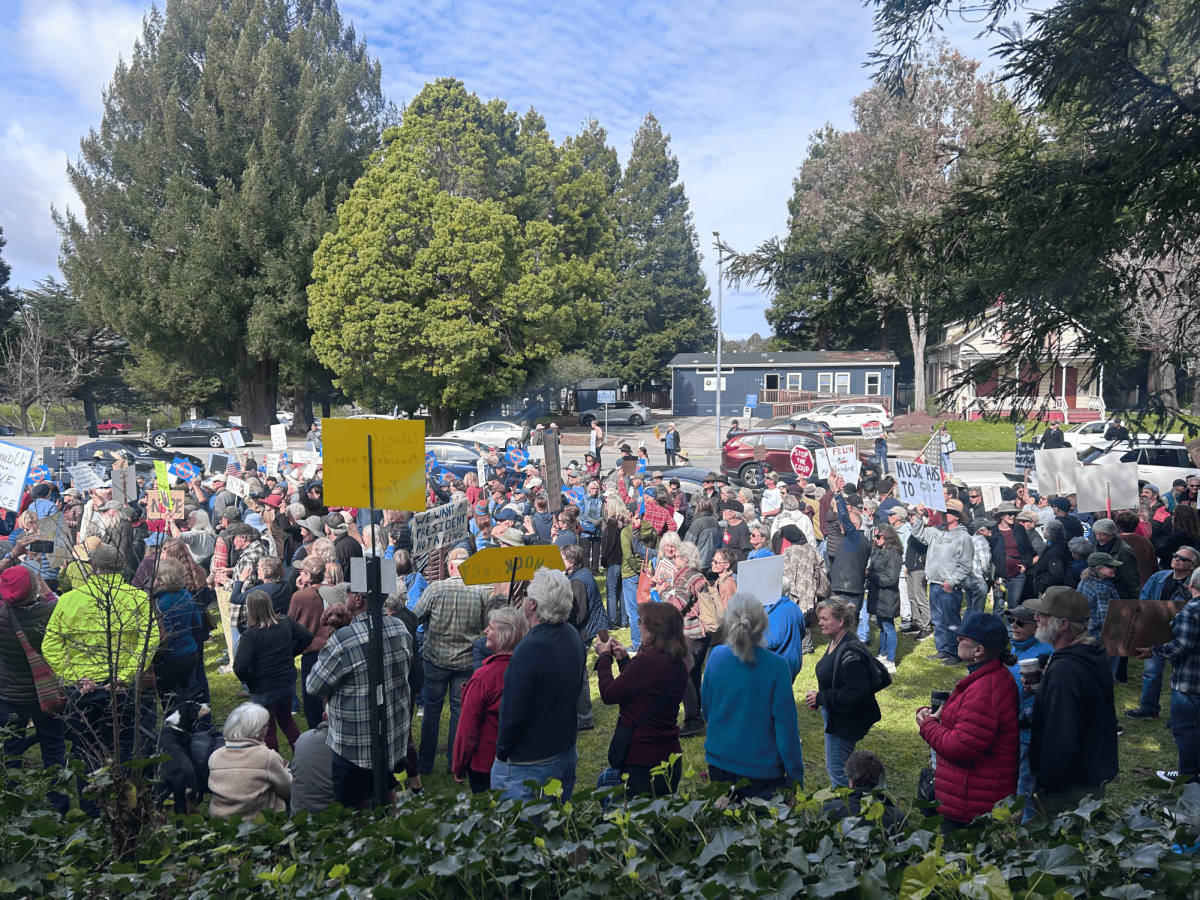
x=538, y=722
x=747, y=699
x=246, y=776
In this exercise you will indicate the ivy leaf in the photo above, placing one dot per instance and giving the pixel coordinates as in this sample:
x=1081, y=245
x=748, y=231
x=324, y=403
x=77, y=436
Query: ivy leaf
x=988, y=884
x=1127, y=892
x=718, y=845
x=1061, y=860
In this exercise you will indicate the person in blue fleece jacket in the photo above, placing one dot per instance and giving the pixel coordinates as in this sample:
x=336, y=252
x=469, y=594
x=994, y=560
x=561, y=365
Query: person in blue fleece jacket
x=785, y=629
x=746, y=697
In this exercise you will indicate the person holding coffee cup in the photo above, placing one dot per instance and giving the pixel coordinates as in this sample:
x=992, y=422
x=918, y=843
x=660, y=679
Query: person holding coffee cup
x=975, y=733
x=1029, y=651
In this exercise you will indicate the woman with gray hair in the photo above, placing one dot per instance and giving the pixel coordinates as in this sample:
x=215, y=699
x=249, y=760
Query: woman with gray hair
x=246, y=776
x=479, y=722
x=200, y=537
x=538, y=724
x=747, y=699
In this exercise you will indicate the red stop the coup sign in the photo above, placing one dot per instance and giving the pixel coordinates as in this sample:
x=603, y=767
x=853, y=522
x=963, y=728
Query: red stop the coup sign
x=802, y=462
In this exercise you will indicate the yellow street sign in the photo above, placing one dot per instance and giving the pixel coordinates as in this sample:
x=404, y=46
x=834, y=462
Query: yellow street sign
x=496, y=564
x=398, y=454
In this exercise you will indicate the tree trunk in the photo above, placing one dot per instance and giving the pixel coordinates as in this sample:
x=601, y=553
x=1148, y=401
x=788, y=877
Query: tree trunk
x=1160, y=380
x=45, y=413
x=24, y=407
x=440, y=418
x=302, y=410
x=1196, y=394
x=89, y=404
x=325, y=411
x=917, y=326
x=258, y=392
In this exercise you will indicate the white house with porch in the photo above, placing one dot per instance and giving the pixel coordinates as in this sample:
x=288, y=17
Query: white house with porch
x=1065, y=392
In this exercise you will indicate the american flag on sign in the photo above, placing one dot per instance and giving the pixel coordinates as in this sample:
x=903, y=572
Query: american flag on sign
x=233, y=467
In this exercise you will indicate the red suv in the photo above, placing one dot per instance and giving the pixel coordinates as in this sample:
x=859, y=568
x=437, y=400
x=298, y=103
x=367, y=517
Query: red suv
x=737, y=456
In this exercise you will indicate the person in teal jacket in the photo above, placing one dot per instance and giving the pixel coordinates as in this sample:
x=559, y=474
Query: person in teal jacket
x=785, y=629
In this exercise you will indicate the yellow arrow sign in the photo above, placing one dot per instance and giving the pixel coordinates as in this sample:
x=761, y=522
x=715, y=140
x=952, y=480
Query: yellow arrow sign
x=497, y=564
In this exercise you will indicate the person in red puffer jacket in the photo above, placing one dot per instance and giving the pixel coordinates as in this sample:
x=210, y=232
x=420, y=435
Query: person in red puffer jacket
x=479, y=723
x=975, y=734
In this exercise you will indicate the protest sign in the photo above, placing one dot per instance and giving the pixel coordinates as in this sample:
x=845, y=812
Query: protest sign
x=217, y=462
x=629, y=466
x=1099, y=486
x=271, y=461
x=64, y=440
x=761, y=578
x=279, y=437
x=83, y=476
x=441, y=526
x=1130, y=624
x=164, y=504
x=919, y=483
x=236, y=420
x=990, y=493
x=125, y=487
x=1193, y=449
x=516, y=457
x=51, y=528
x=36, y=474
x=306, y=456
x=160, y=475
x=498, y=564
x=554, y=484
x=872, y=430
x=760, y=451
x=227, y=440
x=1056, y=470
x=802, y=462
x=842, y=459
x=310, y=471
x=238, y=440
x=1024, y=456
x=397, y=461
x=537, y=454
x=237, y=487
x=182, y=469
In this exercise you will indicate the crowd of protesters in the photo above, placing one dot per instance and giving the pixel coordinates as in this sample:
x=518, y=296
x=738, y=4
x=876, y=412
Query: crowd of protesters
x=129, y=599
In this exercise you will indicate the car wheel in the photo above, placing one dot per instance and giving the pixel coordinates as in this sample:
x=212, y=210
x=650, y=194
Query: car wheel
x=114, y=431
x=159, y=441
x=215, y=442
x=512, y=443
x=635, y=419
x=587, y=421
x=751, y=475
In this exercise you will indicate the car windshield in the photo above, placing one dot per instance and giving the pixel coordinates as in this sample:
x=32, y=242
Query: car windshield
x=1091, y=454
x=141, y=448
x=222, y=423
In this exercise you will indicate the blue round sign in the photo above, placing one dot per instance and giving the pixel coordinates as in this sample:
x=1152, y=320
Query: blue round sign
x=517, y=456
x=575, y=495
x=185, y=470
x=431, y=462
x=37, y=473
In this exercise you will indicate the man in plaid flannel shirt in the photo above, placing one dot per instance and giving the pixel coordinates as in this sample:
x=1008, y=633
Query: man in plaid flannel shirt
x=340, y=678
x=1184, y=653
x=659, y=511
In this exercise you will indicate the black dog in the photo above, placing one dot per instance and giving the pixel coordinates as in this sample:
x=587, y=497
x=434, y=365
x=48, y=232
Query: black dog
x=178, y=774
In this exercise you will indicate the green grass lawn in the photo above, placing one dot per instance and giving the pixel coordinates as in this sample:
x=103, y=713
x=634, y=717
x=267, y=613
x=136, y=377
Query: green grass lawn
x=1145, y=746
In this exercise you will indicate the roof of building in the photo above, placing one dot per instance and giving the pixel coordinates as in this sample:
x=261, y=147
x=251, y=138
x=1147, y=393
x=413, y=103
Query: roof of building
x=790, y=358
x=599, y=384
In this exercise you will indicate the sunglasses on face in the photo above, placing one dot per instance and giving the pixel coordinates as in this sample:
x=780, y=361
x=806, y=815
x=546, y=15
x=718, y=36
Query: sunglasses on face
x=1185, y=558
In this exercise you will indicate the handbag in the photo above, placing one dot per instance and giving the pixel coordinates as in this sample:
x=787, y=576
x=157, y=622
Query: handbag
x=618, y=748
x=644, y=581
x=925, y=785
x=51, y=696
x=824, y=588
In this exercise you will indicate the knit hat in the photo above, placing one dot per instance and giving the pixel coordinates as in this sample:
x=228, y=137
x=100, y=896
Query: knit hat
x=17, y=585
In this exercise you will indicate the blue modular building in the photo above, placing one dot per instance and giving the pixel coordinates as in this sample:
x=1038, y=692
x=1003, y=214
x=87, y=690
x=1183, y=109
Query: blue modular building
x=785, y=383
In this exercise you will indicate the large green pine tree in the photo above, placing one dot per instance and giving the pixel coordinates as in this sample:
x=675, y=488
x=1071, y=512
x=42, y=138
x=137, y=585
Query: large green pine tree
x=225, y=146
x=8, y=297
x=660, y=304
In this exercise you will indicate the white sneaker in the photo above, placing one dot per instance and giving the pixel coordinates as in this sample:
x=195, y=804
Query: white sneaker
x=1170, y=777
x=224, y=670
x=421, y=711
x=890, y=666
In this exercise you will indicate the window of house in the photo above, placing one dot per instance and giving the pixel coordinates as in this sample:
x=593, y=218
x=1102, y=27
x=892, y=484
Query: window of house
x=793, y=381
x=842, y=384
x=825, y=382
x=771, y=382
x=874, y=383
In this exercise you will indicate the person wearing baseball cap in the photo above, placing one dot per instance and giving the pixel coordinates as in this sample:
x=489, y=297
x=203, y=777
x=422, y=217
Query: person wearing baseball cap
x=1073, y=739
x=1098, y=584
x=948, y=564
x=975, y=733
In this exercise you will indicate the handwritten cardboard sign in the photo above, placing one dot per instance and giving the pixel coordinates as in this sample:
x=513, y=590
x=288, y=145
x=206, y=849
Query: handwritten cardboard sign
x=279, y=437
x=397, y=461
x=83, y=476
x=441, y=526
x=167, y=505
x=919, y=483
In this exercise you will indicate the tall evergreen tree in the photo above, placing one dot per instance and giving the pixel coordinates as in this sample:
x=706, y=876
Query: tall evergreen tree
x=226, y=143
x=8, y=297
x=660, y=305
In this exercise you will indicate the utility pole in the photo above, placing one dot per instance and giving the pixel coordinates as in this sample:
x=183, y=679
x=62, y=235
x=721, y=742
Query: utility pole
x=717, y=235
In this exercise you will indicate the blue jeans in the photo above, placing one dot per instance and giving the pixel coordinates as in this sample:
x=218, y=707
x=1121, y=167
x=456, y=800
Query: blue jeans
x=887, y=638
x=1185, y=725
x=48, y=731
x=1152, y=681
x=612, y=587
x=1025, y=783
x=437, y=682
x=1016, y=587
x=837, y=751
x=945, y=608
x=510, y=778
x=629, y=597
x=976, y=597
x=864, y=621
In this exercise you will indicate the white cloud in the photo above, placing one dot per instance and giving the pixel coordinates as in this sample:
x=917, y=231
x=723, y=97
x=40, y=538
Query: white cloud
x=35, y=179
x=78, y=42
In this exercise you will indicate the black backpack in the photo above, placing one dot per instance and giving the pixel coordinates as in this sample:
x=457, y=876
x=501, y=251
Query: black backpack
x=880, y=677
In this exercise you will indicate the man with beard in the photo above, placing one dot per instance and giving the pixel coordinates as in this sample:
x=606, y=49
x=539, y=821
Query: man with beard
x=1073, y=741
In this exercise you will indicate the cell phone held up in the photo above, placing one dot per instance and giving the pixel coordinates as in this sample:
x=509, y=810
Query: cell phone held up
x=41, y=546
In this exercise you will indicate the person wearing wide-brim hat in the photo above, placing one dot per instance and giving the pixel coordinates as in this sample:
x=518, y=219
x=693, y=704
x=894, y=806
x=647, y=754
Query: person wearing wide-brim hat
x=947, y=567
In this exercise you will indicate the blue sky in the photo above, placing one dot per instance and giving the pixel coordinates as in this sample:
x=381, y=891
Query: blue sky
x=739, y=86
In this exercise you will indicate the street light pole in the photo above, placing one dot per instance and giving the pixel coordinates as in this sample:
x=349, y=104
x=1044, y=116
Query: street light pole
x=717, y=235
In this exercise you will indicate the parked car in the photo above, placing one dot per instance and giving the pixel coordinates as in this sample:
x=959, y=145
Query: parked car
x=623, y=412
x=112, y=426
x=1158, y=464
x=6, y=431
x=197, y=433
x=738, y=462
x=494, y=433
x=804, y=423
x=113, y=448
x=284, y=417
x=454, y=456
x=1091, y=434
x=851, y=417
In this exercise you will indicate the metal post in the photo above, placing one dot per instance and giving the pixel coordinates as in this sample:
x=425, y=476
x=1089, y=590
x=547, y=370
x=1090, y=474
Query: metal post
x=717, y=235
x=379, y=764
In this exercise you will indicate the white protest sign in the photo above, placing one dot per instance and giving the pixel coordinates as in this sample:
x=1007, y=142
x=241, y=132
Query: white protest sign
x=358, y=574
x=537, y=453
x=279, y=437
x=83, y=476
x=1056, y=470
x=842, y=459
x=227, y=440
x=991, y=495
x=271, y=460
x=872, y=430
x=441, y=526
x=238, y=440
x=1097, y=486
x=919, y=483
x=14, y=469
x=761, y=579
x=309, y=471
x=481, y=471
x=237, y=487
x=306, y=456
